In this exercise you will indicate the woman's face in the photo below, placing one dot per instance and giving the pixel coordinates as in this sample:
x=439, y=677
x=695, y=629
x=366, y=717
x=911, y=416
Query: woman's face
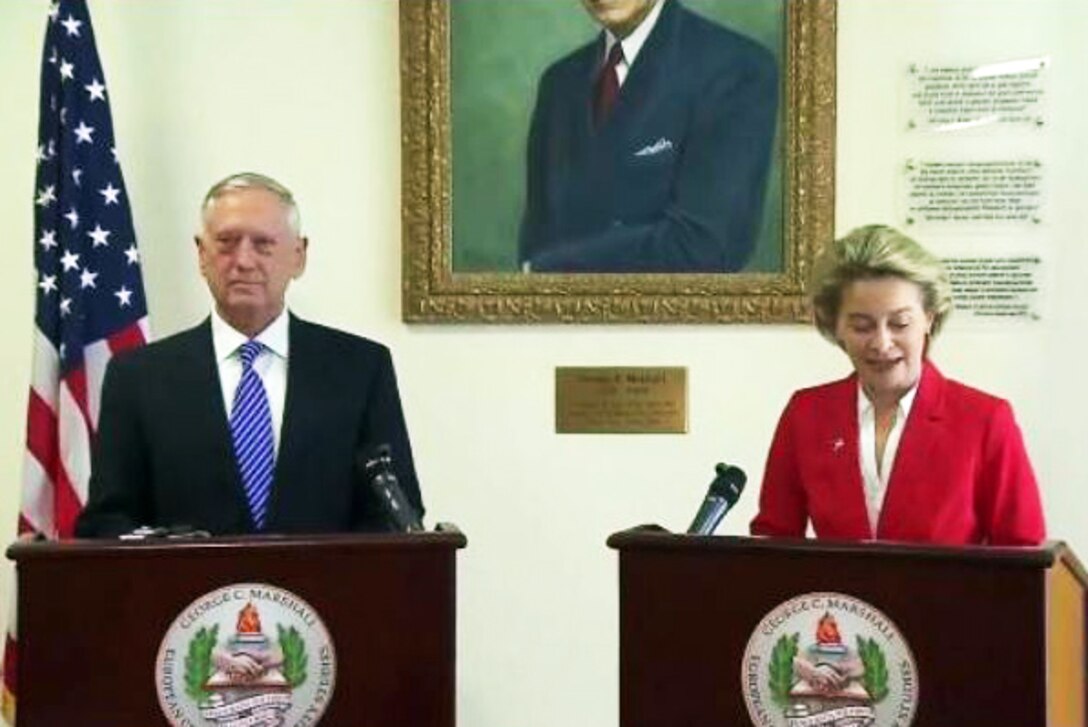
x=882, y=326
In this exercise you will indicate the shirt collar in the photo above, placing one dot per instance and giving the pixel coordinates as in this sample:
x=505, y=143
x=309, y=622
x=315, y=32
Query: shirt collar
x=865, y=406
x=227, y=339
x=633, y=43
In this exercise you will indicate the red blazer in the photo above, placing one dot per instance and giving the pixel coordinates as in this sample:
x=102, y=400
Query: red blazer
x=961, y=474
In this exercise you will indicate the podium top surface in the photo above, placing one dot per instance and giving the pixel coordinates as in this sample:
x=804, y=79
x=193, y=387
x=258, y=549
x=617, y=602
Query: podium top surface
x=649, y=538
x=25, y=550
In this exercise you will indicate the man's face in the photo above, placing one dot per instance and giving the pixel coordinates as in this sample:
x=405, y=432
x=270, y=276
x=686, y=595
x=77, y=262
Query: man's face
x=249, y=254
x=619, y=16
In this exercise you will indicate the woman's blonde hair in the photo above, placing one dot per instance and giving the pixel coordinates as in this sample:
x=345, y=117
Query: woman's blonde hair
x=871, y=252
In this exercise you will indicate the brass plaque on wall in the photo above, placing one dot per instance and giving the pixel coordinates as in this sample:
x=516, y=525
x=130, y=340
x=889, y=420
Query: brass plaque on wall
x=621, y=400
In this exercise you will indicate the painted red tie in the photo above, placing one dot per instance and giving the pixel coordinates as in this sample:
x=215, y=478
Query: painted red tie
x=608, y=85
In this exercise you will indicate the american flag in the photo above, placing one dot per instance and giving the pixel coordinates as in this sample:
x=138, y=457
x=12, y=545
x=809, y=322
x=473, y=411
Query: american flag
x=89, y=290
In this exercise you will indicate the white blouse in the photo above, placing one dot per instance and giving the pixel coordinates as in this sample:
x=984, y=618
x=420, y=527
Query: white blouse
x=876, y=478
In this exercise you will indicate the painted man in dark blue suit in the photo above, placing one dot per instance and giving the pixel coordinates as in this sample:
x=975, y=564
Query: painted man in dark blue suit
x=666, y=170
x=178, y=429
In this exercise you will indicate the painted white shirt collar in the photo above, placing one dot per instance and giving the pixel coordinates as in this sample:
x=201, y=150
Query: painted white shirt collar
x=633, y=43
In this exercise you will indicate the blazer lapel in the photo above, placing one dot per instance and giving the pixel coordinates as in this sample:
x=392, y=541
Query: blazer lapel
x=913, y=466
x=842, y=442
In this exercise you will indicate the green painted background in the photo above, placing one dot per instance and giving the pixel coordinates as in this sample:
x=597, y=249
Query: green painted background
x=498, y=50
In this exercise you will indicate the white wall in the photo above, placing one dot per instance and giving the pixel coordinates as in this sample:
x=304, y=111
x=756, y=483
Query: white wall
x=308, y=92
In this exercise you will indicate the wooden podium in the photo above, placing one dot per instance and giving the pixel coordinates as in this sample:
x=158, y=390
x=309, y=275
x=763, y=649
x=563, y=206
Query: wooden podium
x=92, y=616
x=997, y=634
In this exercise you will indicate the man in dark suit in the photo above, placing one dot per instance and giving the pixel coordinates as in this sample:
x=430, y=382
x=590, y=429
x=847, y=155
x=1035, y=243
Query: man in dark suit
x=251, y=421
x=649, y=148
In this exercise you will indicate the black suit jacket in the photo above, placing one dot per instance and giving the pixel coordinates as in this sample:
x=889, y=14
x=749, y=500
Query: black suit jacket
x=674, y=180
x=163, y=454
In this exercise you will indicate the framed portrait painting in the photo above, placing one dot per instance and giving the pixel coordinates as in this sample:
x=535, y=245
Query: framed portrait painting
x=615, y=161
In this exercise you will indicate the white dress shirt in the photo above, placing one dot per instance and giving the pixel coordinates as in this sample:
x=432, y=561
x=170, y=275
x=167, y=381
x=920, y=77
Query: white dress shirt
x=876, y=478
x=270, y=365
x=634, y=41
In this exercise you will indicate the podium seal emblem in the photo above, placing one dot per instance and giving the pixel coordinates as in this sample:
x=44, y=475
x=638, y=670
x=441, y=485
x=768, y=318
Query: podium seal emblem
x=246, y=654
x=828, y=660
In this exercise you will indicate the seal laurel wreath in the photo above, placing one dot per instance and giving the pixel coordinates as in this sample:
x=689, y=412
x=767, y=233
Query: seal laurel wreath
x=781, y=668
x=294, y=655
x=875, y=678
x=198, y=663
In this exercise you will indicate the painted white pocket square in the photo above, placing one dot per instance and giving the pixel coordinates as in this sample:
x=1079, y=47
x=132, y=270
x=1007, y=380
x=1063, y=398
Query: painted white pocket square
x=660, y=146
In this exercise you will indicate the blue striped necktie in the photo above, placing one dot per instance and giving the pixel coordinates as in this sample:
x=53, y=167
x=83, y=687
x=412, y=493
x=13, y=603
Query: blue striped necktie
x=251, y=432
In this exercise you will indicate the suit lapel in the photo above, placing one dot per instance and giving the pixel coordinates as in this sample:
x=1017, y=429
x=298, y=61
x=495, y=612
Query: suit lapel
x=298, y=408
x=209, y=420
x=912, y=470
x=582, y=105
x=651, y=69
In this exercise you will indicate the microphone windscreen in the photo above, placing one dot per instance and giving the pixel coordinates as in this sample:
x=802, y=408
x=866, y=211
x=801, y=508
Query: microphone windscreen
x=372, y=456
x=729, y=483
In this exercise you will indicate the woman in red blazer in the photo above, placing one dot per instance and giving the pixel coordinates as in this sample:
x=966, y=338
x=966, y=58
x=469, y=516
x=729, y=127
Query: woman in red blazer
x=895, y=451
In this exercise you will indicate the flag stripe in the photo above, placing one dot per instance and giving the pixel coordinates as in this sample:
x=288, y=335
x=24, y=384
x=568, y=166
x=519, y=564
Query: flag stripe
x=72, y=477
x=41, y=433
x=129, y=337
x=37, y=512
x=45, y=370
x=24, y=525
x=95, y=358
x=7, y=691
x=98, y=354
x=75, y=385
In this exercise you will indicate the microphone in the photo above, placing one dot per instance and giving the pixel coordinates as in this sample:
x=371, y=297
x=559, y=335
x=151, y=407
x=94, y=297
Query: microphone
x=722, y=495
x=376, y=466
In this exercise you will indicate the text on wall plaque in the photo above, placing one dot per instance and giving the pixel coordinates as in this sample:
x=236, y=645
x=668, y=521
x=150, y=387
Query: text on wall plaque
x=621, y=400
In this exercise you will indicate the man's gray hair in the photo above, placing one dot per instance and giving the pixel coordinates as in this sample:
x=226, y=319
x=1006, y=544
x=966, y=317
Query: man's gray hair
x=253, y=180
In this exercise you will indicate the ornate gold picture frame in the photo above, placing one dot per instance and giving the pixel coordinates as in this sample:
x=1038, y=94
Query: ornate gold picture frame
x=439, y=287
